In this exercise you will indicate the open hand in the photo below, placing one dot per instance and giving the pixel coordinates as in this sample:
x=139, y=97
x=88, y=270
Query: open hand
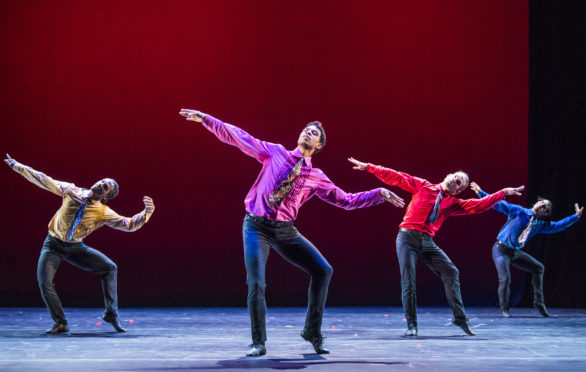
x=392, y=198
x=9, y=161
x=513, y=190
x=149, y=206
x=474, y=187
x=578, y=209
x=192, y=115
x=358, y=164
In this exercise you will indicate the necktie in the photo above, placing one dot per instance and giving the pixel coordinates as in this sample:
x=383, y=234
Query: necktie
x=525, y=234
x=285, y=185
x=77, y=219
x=436, y=208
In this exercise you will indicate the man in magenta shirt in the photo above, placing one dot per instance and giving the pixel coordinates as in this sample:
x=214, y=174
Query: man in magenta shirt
x=286, y=181
x=430, y=205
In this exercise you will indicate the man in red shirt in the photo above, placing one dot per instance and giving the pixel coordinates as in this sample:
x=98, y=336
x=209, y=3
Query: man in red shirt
x=430, y=205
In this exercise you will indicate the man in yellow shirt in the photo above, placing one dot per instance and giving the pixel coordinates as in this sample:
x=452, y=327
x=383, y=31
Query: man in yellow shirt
x=82, y=212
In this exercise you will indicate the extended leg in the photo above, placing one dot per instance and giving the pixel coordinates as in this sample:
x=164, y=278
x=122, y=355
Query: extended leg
x=502, y=260
x=299, y=251
x=408, y=250
x=48, y=264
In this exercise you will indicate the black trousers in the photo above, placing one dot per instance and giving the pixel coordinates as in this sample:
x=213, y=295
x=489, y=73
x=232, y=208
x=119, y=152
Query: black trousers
x=503, y=257
x=259, y=236
x=413, y=245
x=80, y=255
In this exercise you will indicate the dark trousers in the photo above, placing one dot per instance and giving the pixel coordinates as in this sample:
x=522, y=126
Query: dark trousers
x=259, y=236
x=503, y=257
x=80, y=255
x=413, y=245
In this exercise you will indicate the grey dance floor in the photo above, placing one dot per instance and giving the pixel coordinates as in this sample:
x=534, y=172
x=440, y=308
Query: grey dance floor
x=361, y=339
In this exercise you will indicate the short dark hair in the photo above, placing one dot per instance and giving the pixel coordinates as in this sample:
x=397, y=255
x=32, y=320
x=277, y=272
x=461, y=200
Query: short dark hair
x=322, y=137
x=112, y=194
x=549, y=203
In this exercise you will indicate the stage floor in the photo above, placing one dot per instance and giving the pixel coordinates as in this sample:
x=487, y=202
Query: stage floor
x=360, y=338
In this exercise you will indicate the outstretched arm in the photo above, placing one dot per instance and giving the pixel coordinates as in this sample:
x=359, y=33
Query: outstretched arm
x=38, y=178
x=115, y=221
x=232, y=135
x=473, y=206
x=332, y=194
x=389, y=176
x=557, y=226
x=502, y=206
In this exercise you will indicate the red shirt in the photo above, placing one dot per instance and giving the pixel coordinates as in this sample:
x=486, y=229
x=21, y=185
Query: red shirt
x=423, y=199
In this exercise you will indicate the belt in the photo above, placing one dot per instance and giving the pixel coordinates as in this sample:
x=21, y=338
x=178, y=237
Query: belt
x=504, y=245
x=268, y=222
x=415, y=232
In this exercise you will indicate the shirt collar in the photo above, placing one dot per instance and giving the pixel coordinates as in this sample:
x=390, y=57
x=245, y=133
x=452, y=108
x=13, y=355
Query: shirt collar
x=297, y=154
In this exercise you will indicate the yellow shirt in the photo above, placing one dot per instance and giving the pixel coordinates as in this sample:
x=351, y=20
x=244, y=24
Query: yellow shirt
x=96, y=214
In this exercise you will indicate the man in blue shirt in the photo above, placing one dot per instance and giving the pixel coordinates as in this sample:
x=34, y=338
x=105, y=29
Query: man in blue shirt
x=522, y=224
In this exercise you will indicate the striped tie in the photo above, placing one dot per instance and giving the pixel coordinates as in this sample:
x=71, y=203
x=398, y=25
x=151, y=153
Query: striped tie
x=77, y=219
x=436, y=208
x=525, y=234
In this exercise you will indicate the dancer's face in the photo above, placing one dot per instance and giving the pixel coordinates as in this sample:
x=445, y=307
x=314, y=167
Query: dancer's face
x=101, y=188
x=309, y=138
x=455, y=183
x=542, y=209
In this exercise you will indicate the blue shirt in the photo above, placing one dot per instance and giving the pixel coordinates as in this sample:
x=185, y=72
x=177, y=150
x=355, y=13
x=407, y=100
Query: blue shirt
x=518, y=218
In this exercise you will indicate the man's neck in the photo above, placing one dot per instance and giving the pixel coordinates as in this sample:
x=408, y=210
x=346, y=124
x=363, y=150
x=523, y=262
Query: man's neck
x=305, y=152
x=444, y=187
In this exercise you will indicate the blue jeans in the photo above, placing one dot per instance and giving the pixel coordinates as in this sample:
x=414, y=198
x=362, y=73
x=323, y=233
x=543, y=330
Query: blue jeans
x=80, y=255
x=413, y=245
x=259, y=235
x=503, y=257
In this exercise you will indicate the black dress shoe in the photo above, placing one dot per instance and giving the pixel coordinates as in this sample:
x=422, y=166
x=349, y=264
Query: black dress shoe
x=464, y=324
x=256, y=350
x=542, y=309
x=411, y=331
x=316, y=341
x=58, y=328
x=115, y=321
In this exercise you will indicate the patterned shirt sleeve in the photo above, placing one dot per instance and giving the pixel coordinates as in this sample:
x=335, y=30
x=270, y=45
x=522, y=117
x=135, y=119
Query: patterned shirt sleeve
x=42, y=180
x=129, y=224
x=232, y=135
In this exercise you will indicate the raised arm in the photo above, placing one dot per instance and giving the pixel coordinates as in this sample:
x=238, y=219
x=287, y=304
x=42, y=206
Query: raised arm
x=232, y=135
x=557, y=226
x=502, y=206
x=130, y=224
x=38, y=178
x=389, y=176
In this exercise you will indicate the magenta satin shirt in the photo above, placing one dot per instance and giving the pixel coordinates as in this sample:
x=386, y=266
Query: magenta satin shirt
x=276, y=164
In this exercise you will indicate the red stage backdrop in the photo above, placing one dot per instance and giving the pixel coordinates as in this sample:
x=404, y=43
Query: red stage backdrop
x=92, y=90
